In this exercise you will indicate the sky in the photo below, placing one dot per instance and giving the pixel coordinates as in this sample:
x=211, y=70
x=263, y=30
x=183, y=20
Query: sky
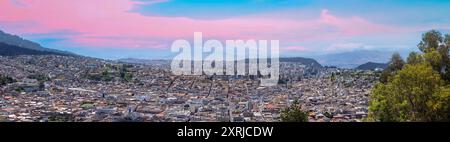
x=114, y=29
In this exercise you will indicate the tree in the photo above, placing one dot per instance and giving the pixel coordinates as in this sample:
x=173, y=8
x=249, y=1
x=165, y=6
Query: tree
x=380, y=108
x=430, y=40
x=396, y=63
x=446, y=74
x=414, y=58
x=442, y=105
x=411, y=95
x=420, y=91
x=294, y=114
x=333, y=77
x=436, y=49
x=6, y=80
x=434, y=58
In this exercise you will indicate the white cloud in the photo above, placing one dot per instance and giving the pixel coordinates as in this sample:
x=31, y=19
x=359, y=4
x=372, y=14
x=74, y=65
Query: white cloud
x=348, y=46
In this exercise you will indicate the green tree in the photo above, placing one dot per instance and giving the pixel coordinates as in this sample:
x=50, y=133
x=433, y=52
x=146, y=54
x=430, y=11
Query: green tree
x=430, y=40
x=6, y=80
x=420, y=91
x=128, y=77
x=414, y=58
x=395, y=64
x=414, y=94
x=434, y=58
x=442, y=105
x=436, y=49
x=381, y=108
x=294, y=114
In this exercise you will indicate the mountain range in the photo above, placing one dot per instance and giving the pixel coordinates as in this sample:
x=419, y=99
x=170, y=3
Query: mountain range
x=11, y=45
x=353, y=59
x=305, y=61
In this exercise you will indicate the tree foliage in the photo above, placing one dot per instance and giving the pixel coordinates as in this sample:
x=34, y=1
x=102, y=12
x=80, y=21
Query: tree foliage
x=6, y=80
x=430, y=40
x=436, y=49
x=411, y=95
x=294, y=114
x=420, y=90
x=395, y=65
x=414, y=58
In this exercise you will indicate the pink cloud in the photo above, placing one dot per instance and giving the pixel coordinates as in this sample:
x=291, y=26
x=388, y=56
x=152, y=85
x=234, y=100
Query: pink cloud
x=353, y=25
x=294, y=48
x=106, y=23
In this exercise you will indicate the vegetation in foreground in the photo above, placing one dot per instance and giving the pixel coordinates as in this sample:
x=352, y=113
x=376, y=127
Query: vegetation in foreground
x=417, y=90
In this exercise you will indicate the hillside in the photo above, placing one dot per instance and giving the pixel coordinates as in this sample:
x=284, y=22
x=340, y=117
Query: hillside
x=354, y=58
x=12, y=50
x=305, y=61
x=371, y=66
x=16, y=41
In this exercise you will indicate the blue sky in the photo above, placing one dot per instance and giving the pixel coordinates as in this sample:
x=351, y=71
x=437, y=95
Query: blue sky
x=146, y=28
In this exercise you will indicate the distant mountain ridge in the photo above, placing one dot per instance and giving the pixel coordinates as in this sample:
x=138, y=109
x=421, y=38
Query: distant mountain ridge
x=141, y=61
x=305, y=61
x=353, y=59
x=12, y=50
x=372, y=66
x=10, y=41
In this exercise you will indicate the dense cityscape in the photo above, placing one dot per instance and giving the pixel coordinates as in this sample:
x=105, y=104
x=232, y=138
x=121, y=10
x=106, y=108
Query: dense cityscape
x=54, y=88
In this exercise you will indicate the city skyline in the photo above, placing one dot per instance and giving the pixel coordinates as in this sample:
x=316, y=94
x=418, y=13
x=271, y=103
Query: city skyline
x=147, y=28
